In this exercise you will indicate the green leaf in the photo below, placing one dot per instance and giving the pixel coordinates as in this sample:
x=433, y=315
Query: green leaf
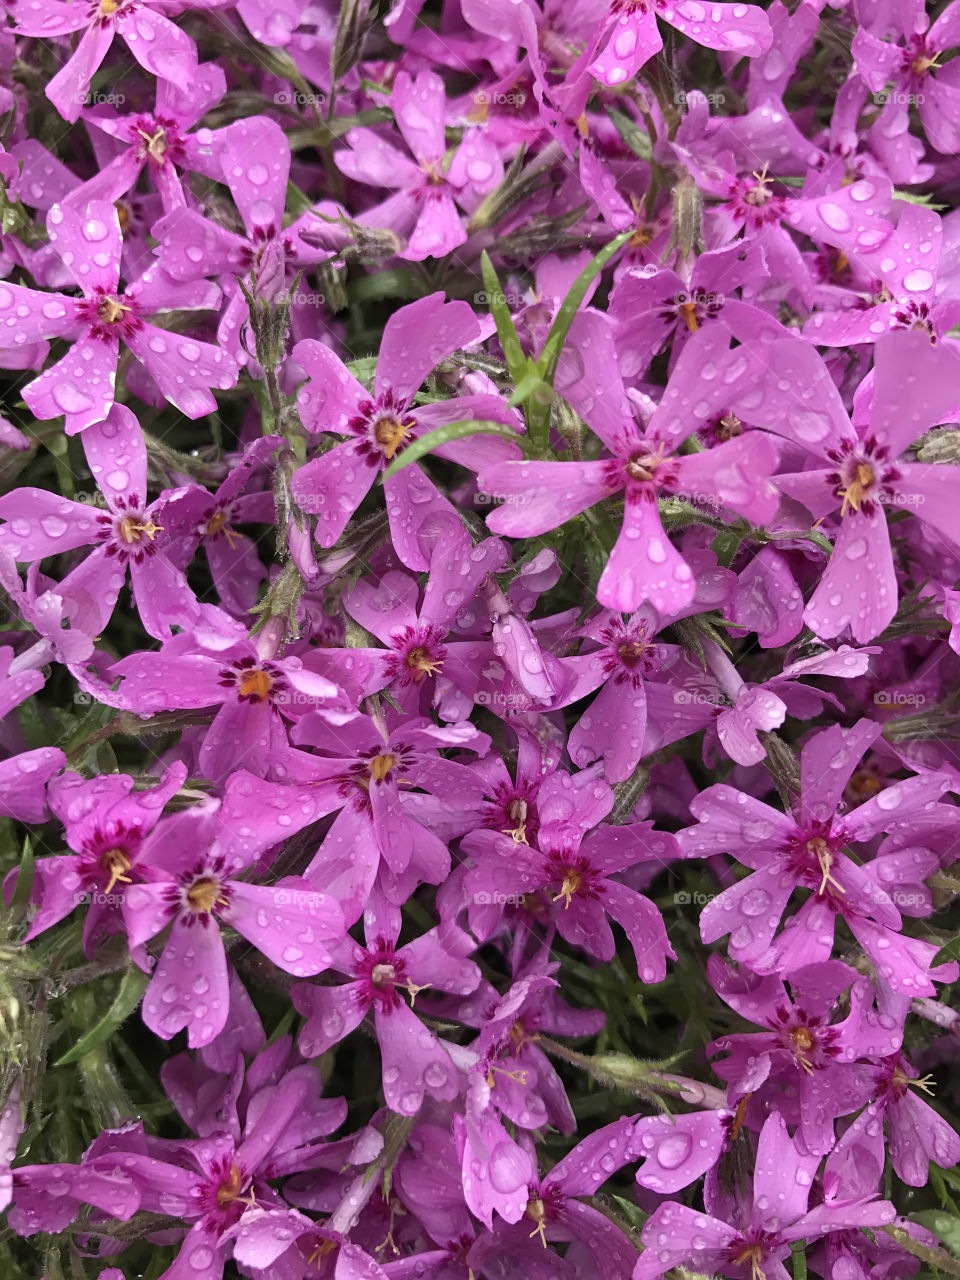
x=517, y=362
x=24, y=885
x=950, y=951
x=799, y=1251
x=547, y=364
x=128, y=997
x=943, y=1225
x=632, y=134
x=925, y=200
x=402, y=282
x=443, y=435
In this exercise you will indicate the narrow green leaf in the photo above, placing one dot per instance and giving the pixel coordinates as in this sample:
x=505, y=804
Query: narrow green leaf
x=444, y=435
x=632, y=134
x=128, y=997
x=24, y=886
x=517, y=362
x=799, y=1250
x=951, y=951
x=547, y=364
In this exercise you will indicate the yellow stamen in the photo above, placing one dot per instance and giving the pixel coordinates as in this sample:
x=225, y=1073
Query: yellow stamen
x=689, y=312
x=131, y=529
x=820, y=850
x=390, y=434
x=111, y=310
x=518, y=812
x=380, y=766
x=422, y=664
x=118, y=864
x=536, y=1212
x=203, y=895
x=415, y=990
x=856, y=491
x=803, y=1041
x=228, y=1192
x=109, y=6
x=572, y=881
x=256, y=684
x=320, y=1252
x=218, y=524
x=752, y=1254
x=739, y=1116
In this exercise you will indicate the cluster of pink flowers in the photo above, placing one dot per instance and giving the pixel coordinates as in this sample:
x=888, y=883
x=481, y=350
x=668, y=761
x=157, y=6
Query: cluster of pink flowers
x=522, y=846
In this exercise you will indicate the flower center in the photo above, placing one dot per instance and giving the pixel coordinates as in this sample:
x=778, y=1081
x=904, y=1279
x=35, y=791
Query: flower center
x=517, y=812
x=256, y=684
x=116, y=864
x=203, y=895
x=803, y=1041
x=820, y=850
x=155, y=144
x=859, y=487
x=729, y=427
x=688, y=313
x=380, y=766
x=109, y=6
x=229, y=1190
x=132, y=529
x=110, y=309
x=572, y=882
x=922, y=63
x=631, y=652
x=422, y=663
x=433, y=172
x=752, y=1253
x=382, y=975
x=643, y=466
x=324, y=1248
x=536, y=1212
x=390, y=433
x=760, y=195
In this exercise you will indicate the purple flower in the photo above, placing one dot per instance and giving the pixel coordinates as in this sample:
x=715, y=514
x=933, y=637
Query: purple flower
x=428, y=189
x=192, y=882
x=913, y=386
x=805, y=849
x=632, y=38
x=415, y=1061
x=157, y=43
x=572, y=868
x=82, y=384
x=766, y=1225
x=332, y=486
x=644, y=564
